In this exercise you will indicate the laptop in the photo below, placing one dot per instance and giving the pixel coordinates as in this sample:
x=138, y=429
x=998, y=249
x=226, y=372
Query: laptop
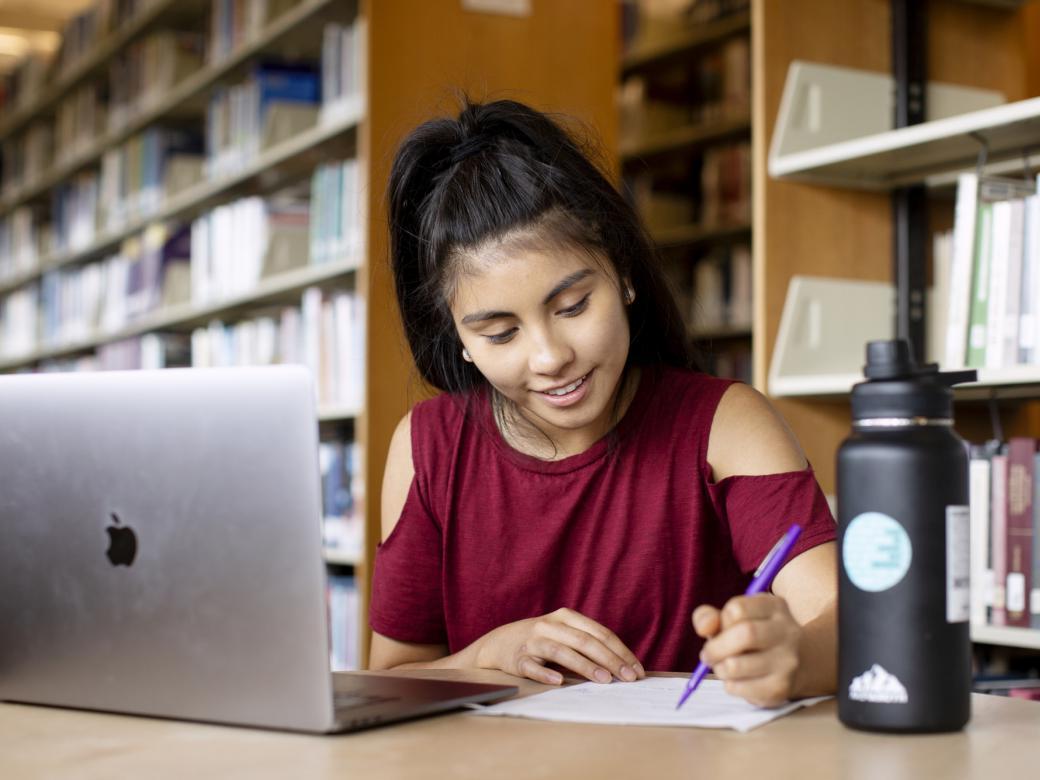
x=162, y=554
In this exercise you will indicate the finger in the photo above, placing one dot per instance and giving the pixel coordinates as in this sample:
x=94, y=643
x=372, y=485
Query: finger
x=562, y=655
x=761, y=691
x=757, y=607
x=706, y=621
x=607, y=638
x=534, y=669
x=743, y=637
x=750, y=666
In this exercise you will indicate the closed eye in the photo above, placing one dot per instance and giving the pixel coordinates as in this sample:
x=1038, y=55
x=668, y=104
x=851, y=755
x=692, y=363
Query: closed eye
x=501, y=338
x=576, y=309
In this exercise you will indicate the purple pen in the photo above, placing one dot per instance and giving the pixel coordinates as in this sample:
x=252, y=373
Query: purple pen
x=762, y=579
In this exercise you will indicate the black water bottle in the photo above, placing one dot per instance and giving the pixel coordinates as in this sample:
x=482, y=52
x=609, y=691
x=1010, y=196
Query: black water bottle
x=904, y=649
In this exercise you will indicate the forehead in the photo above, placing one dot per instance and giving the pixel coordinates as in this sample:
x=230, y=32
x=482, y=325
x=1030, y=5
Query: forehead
x=501, y=274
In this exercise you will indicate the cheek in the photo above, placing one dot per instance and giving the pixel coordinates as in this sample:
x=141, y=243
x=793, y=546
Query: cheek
x=606, y=337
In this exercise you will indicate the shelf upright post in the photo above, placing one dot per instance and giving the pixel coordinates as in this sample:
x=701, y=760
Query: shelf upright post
x=909, y=204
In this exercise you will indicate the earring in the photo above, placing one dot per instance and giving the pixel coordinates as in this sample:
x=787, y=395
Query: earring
x=466, y=356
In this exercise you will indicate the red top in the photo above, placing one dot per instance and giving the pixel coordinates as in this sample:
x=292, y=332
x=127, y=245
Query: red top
x=632, y=533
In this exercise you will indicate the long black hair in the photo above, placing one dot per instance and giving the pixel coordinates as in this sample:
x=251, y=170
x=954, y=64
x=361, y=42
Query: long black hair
x=499, y=168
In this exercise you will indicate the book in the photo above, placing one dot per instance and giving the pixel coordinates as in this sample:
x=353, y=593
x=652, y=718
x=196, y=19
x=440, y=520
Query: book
x=998, y=537
x=1021, y=465
x=980, y=287
x=1034, y=596
x=1000, y=282
x=979, y=514
x=1029, y=316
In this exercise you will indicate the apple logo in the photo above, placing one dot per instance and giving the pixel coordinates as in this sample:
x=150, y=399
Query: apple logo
x=122, y=543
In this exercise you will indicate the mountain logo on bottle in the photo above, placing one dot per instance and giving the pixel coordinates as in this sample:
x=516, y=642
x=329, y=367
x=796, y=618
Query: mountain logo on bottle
x=878, y=686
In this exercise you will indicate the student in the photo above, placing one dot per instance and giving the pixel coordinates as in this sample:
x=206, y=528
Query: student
x=579, y=492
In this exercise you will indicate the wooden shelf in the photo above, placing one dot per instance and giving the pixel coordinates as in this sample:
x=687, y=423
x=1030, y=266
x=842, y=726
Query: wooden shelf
x=1012, y=382
x=1008, y=636
x=692, y=235
x=913, y=154
x=197, y=83
x=158, y=12
x=686, y=138
x=682, y=42
x=298, y=153
x=332, y=414
x=187, y=315
x=341, y=557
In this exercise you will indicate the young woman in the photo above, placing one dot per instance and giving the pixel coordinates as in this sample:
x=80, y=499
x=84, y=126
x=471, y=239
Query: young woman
x=580, y=493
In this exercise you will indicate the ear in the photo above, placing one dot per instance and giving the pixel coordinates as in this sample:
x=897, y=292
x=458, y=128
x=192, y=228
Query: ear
x=628, y=293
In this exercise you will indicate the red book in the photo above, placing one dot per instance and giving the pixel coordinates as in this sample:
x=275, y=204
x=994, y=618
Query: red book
x=1018, y=582
x=998, y=537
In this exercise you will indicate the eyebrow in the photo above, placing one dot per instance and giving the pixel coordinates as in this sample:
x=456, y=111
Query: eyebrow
x=565, y=283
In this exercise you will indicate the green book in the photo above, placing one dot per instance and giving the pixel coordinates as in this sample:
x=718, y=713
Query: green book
x=979, y=310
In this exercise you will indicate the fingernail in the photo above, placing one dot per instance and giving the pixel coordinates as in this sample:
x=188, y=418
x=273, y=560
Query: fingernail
x=628, y=673
x=640, y=670
x=555, y=678
x=602, y=675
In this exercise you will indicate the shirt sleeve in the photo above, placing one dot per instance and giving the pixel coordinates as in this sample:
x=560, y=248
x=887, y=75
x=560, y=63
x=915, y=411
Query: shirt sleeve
x=758, y=510
x=406, y=583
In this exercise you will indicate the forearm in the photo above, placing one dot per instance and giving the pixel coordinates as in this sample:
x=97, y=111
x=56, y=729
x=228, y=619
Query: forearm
x=467, y=658
x=817, y=673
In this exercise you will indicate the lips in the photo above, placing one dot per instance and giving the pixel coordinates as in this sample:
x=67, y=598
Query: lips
x=565, y=389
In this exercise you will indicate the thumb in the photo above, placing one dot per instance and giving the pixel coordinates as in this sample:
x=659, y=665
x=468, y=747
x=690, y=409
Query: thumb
x=706, y=621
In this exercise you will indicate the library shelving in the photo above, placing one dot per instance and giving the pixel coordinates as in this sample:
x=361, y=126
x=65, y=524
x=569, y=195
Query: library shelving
x=1028, y=638
x=828, y=212
x=685, y=150
x=381, y=67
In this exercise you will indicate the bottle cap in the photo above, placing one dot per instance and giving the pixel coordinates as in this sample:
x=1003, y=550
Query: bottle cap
x=898, y=387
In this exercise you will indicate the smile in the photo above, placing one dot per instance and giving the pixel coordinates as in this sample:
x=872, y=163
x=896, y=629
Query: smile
x=567, y=389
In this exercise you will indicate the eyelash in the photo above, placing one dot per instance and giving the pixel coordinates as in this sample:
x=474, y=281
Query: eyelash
x=570, y=311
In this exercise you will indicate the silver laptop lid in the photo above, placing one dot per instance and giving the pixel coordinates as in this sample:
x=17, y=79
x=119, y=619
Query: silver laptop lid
x=219, y=612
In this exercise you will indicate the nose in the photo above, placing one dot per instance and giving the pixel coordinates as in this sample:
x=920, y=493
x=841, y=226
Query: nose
x=549, y=354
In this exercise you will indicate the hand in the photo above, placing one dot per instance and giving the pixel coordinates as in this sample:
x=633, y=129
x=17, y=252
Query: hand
x=564, y=637
x=752, y=647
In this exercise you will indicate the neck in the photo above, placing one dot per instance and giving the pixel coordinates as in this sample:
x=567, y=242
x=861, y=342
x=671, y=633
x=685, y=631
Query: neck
x=535, y=439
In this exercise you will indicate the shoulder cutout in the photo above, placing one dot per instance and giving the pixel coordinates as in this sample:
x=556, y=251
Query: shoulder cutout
x=749, y=437
x=397, y=476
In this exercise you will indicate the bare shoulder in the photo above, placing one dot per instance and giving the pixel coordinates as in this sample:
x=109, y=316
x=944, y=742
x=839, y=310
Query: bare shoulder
x=748, y=436
x=398, y=475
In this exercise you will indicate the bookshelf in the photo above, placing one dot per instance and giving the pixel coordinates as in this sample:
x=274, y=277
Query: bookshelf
x=916, y=154
x=1026, y=638
x=412, y=60
x=685, y=152
x=826, y=211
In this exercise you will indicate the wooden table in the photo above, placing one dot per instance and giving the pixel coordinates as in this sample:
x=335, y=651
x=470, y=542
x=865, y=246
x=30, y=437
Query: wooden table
x=1002, y=740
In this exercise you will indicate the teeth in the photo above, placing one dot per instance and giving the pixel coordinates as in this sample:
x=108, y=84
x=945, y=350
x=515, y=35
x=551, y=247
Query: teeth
x=568, y=389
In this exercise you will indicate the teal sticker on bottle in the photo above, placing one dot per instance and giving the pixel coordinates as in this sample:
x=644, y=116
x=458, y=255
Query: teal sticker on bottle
x=876, y=551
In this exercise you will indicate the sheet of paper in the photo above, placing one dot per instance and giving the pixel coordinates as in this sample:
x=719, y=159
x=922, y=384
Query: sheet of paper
x=647, y=702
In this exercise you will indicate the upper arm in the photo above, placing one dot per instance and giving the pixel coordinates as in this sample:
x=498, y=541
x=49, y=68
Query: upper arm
x=749, y=437
x=809, y=582
x=384, y=652
x=398, y=475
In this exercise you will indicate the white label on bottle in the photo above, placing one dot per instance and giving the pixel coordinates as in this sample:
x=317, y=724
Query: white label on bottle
x=958, y=564
x=1016, y=592
x=1034, y=601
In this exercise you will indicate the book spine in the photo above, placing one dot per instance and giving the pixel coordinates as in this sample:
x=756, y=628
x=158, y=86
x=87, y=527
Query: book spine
x=1034, y=596
x=998, y=537
x=976, y=357
x=1020, y=464
x=979, y=503
x=999, y=283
